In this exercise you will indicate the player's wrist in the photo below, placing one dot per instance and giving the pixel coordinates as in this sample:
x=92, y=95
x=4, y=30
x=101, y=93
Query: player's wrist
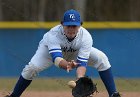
x=81, y=71
x=61, y=63
x=57, y=61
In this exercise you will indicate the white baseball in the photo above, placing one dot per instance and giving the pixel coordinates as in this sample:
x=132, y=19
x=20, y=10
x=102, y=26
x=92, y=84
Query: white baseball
x=71, y=84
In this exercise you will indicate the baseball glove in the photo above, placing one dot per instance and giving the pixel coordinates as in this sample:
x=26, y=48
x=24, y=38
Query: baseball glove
x=84, y=87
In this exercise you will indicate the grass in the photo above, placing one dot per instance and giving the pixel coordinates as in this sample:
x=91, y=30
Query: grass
x=60, y=84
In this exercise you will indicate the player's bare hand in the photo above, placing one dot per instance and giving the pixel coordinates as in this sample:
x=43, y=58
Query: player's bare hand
x=72, y=64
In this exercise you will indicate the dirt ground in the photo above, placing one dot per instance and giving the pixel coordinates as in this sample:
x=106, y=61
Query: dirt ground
x=68, y=94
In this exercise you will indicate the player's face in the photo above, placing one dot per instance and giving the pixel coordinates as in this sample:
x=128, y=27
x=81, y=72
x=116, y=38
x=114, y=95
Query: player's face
x=71, y=31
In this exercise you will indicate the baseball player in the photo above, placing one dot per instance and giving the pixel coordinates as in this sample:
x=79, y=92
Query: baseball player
x=67, y=46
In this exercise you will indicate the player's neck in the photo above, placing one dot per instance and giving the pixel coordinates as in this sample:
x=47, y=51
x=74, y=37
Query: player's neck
x=70, y=39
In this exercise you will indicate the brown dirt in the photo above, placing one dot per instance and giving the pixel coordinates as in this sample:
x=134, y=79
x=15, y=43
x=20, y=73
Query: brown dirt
x=68, y=94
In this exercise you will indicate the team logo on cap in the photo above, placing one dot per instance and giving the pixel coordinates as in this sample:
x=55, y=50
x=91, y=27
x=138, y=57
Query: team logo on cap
x=72, y=16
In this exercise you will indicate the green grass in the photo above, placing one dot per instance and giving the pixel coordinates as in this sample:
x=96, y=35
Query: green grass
x=60, y=84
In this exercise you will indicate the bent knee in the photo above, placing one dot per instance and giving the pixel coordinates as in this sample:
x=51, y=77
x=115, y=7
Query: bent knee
x=30, y=71
x=103, y=63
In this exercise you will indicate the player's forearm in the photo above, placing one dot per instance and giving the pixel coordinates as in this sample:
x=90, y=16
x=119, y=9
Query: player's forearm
x=81, y=70
x=62, y=63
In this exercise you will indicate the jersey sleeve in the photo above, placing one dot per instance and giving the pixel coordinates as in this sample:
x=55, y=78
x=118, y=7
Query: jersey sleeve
x=53, y=44
x=84, y=51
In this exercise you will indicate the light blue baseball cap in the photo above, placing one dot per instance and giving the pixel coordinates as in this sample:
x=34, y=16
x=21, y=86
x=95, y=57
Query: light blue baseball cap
x=71, y=17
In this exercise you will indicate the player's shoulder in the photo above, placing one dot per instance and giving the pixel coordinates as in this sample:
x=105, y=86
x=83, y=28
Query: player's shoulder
x=85, y=32
x=53, y=33
x=55, y=30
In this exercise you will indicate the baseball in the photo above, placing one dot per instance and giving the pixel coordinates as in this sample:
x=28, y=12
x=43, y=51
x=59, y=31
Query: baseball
x=71, y=84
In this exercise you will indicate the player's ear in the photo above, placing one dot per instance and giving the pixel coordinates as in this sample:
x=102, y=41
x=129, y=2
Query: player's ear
x=61, y=22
